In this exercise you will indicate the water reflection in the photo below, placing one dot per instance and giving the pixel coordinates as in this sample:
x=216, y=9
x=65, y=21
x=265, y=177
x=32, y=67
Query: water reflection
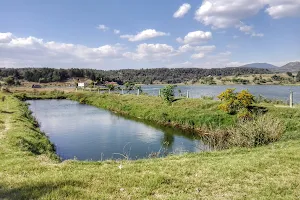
x=89, y=133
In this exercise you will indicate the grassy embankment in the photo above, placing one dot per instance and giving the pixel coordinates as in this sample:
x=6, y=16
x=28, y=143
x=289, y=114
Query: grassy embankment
x=29, y=168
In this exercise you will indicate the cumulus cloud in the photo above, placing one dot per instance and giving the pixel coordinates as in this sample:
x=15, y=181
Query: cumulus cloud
x=37, y=52
x=228, y=13
x=226, y=53
x=102, y=27
x=144, y=35
x=198, y=51
x=195, y=37
x=5, y=37
x=182, y=10
x=117, y=32
x=198, y=55
x=186, y=48
x=283, y=8
x=248, y=30
x=151, y=52
x=257, y=35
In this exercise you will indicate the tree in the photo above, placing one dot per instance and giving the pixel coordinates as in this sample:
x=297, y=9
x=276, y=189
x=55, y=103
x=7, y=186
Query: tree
x=129, y=86
x=168, y=93
x=111, y=86
x=289, y=74
x=9, y=80
x=298, y=77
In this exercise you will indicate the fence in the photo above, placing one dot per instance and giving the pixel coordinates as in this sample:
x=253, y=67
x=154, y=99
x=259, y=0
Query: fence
x=288, y=97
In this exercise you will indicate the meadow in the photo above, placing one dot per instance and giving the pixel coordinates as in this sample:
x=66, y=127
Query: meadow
x=30, y=169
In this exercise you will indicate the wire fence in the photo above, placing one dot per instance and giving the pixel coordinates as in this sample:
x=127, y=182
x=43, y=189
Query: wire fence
x=289, y=97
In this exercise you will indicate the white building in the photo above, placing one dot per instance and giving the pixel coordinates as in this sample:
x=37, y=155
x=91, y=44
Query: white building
x=82, y=85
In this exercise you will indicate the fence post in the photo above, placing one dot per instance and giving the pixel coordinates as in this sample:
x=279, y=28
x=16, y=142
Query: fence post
x=122, y=91
x=159, y=93
x=108, y=91
x=187, y=94
x=138, y=92
x=291, y=99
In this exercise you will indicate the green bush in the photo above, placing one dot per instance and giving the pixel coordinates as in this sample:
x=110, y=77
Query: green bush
x=168, y=93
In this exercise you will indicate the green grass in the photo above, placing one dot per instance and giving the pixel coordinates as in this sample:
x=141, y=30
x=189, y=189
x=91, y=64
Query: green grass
x=267, y=172
x=185, y=113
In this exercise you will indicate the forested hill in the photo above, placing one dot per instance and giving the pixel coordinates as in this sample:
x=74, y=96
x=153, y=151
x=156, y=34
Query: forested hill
x=145, y=76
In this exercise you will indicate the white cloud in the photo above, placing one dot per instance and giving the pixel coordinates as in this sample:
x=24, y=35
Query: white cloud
x=198, y=56
x=227, y=53
x=102, y=27
x=32, y=51
x=116, y=31
x=246, y=29
x=283, y=8
x=186, y=48
x=226, y=13
x=151, y=52
x=229, y=13
x=195, y=37
x=257, y=35
x=144, y=35
x=5, y=37
x=182, y=10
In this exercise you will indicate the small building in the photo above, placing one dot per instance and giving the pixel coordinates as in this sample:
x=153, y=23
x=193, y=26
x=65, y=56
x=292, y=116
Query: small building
x=36, y=86
x=82, y=85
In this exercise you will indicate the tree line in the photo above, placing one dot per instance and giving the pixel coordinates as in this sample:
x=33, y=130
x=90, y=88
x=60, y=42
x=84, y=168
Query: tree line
x=144, y=76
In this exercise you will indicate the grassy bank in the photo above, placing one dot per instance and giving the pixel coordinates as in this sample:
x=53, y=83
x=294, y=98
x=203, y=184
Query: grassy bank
x=198, y=116
x=268, y=172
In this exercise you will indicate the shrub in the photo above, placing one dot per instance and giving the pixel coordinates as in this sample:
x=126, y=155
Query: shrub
x=110, y=86
x=168, y=93
x=234, y=102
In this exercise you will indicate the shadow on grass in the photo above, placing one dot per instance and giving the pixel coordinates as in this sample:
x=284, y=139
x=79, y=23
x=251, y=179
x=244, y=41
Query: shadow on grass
x=6, y=112
x=38, y=190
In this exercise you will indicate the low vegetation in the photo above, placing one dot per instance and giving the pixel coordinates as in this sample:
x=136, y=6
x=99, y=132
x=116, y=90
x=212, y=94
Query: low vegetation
x=29, y=168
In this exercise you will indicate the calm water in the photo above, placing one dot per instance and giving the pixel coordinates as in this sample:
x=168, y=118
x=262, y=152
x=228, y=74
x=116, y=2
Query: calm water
x=269, y=91
x=90, y=133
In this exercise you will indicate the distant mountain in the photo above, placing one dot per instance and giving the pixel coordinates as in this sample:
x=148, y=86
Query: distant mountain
x=259, y=66
x=290, y=67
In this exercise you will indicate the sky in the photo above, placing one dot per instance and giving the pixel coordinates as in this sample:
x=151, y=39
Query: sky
x=134, y=34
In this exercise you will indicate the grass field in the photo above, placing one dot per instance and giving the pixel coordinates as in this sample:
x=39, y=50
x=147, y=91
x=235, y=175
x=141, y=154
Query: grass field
x=29, y=168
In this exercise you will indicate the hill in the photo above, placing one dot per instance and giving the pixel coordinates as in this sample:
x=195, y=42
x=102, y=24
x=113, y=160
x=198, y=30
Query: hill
x=290, y=67
x=145, y=76
x=259, y=66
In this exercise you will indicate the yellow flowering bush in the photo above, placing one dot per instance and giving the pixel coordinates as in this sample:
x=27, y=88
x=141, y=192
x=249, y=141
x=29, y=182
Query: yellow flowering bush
x=236, y=102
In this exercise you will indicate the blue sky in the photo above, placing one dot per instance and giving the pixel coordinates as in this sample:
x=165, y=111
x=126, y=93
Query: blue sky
x=115, y=34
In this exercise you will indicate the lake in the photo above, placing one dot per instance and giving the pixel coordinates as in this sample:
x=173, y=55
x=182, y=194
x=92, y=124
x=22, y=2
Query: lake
x=88, y=133
x=269, y=91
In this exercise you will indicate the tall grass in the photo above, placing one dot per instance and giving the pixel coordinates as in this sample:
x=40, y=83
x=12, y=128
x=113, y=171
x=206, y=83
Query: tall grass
x=262, y=130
